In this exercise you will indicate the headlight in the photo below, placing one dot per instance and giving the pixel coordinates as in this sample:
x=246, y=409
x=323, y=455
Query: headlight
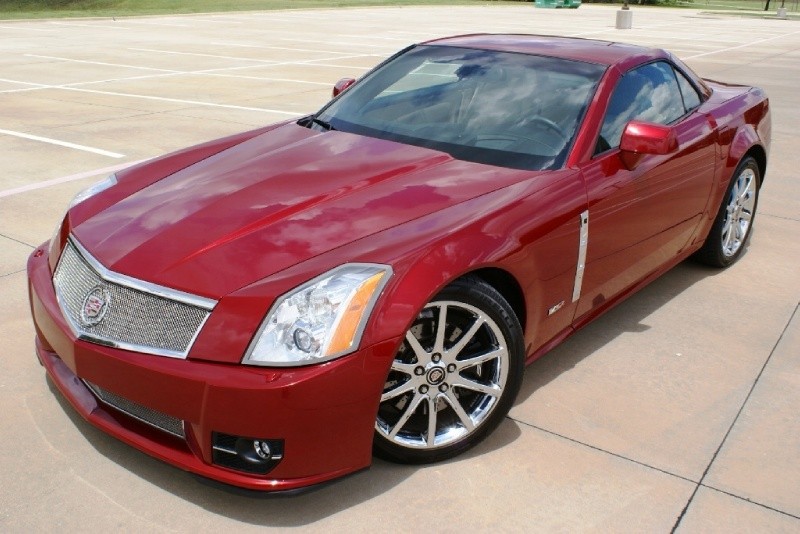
x=320, y=320
x=94, y=189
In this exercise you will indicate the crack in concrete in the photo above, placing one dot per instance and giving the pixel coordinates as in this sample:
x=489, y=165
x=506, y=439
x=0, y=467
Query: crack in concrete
x=18, y=241
x=732, y=425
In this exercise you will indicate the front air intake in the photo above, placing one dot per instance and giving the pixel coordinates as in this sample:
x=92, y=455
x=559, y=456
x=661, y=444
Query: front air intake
x=154, y=418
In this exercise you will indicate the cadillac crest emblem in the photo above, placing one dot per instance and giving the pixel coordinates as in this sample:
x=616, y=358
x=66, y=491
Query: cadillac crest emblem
x=95, y=306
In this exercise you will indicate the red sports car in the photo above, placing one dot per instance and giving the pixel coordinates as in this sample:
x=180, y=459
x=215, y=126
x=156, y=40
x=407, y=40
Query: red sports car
x=271, y=308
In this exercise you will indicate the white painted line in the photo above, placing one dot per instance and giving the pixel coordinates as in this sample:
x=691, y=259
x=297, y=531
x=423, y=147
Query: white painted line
x=90, y=25
x=332, y=59
x=62, y=143
x=742, y=45
x=218, y=72
x=65, y=179
x=26, y=28
x=317, y=51
x=42, y=85
x=25, y=90
x=264, y=17
x=333, y=65
x=101, y=63
x=348, y=43
x=373, y=37
x=266, y=79
x=202, y=55
x=152, y=23
x=216, y=21
x=180, y=101
x=39, y=86
x=643, y=28
x=120, y=79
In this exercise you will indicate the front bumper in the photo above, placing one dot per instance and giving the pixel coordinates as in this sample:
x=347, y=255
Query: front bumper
x=323, y=414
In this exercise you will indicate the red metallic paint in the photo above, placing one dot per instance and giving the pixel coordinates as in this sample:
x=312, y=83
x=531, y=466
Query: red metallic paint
x=342, y=86
x=640, y=138
x=234, y=399
x=246, y=219
x=295, y=193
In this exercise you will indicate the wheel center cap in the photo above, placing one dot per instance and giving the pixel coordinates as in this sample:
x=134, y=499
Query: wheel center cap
x=436, y=375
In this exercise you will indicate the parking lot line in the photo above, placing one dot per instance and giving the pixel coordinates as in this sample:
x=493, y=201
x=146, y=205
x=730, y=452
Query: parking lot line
x=266, y=47
x=216, y=72
x=102, y=63
x=178, y=101
x=32, y=85
x=600, y=460
x=175, y=52
x=151, y=23
x=65, y=179
x=721, y=50
x=350, y=43
x=263, y=78
x=114, y=27
x=26, y=28
x=63, y=143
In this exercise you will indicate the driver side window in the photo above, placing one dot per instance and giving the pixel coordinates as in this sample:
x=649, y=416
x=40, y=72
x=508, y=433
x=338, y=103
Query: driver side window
x=648, y=93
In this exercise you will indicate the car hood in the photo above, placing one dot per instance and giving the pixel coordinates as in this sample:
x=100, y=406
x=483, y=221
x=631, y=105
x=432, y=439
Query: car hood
x=274, y=201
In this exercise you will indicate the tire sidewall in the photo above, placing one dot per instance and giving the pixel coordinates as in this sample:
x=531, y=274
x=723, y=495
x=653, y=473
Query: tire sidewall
x=711, y=252
x=474, y=292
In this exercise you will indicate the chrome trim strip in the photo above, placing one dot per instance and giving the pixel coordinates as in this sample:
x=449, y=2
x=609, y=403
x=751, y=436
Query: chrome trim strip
x=234, y=453
x=140, y=285
x=143, y=349
x=583, y=244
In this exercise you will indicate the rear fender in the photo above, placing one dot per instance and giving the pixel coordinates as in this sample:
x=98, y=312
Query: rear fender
x=746, y=138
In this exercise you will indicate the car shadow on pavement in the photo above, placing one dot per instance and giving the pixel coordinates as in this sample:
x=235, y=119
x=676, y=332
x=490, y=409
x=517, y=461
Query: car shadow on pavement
x=328, y=499
x=626, y=317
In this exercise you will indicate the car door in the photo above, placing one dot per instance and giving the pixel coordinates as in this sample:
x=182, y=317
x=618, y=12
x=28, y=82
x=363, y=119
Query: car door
x=641, y=218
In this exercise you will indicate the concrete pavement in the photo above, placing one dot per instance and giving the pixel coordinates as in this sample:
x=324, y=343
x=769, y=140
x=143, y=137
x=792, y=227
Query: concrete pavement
x=679, y=408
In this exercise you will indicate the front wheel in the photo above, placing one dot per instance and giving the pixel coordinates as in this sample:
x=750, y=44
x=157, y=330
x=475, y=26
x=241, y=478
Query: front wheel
x=734, y=223
x=454, y=378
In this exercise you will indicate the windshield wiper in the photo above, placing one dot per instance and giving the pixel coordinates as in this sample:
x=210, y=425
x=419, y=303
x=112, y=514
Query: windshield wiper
x=313, y=119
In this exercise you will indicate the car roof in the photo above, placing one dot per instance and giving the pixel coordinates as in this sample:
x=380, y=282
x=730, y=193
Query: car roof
x=587, y=50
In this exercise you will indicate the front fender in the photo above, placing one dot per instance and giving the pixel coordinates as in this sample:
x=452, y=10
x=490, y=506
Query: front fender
x=528, y=231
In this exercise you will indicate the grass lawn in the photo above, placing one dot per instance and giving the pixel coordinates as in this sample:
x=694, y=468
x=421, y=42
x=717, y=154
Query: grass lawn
x=16, y=9
x=24, y=9
x=739, y=5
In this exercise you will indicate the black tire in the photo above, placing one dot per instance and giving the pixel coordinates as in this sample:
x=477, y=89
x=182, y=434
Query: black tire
x=433, y=380
x=733, y=226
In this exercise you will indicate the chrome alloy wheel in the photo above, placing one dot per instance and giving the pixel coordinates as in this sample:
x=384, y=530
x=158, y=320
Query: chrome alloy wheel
x=446, y=379
x=739, y=212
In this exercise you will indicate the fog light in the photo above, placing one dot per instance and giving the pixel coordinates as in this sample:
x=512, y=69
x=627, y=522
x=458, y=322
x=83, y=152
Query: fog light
x=262, y=449
x=251, y=455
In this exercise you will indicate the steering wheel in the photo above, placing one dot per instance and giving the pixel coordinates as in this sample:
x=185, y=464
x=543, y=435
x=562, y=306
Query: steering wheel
x=550, y=125
x=516, y=139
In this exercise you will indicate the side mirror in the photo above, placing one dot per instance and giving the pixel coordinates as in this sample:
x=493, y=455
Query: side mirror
x=342, y=85
x=640, y=138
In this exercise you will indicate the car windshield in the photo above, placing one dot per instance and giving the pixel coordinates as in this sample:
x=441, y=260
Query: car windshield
x=499, y=108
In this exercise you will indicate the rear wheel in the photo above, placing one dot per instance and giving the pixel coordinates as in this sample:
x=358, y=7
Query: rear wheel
x=734, y=223
x=454, y=378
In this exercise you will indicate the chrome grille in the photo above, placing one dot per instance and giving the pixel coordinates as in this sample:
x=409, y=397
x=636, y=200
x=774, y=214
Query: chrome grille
x=136, y=315
x=144, y=414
